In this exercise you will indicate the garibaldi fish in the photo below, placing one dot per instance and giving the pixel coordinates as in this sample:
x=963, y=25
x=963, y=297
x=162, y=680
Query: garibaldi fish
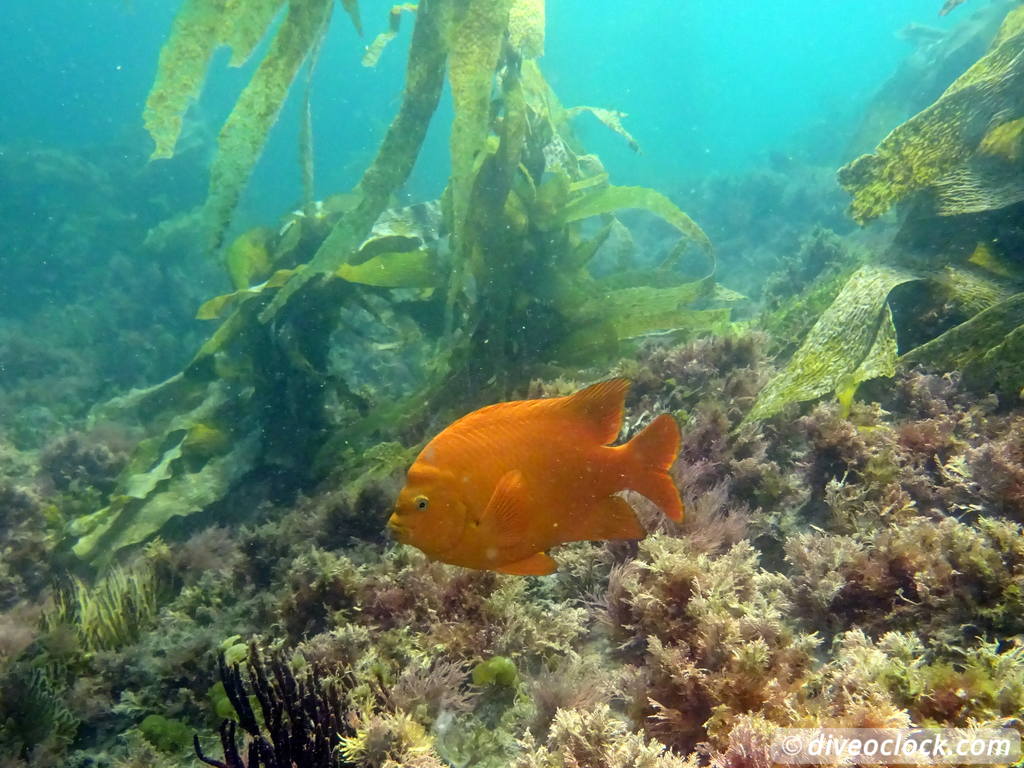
x=507, y=482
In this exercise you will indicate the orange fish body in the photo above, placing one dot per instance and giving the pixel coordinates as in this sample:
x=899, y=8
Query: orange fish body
x=503, y=484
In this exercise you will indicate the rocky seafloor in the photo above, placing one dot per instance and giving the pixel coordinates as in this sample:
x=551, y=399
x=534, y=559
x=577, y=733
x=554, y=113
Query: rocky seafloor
x=860, y=568
x=861, y=571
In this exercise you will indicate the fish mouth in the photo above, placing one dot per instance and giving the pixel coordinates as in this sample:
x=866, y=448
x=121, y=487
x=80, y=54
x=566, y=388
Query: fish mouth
x=398, y=531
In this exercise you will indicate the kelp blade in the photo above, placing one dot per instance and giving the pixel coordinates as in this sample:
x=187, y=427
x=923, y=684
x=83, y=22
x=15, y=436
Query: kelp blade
x=851, y=342
x=181, y=72
x=963, y=344
x=245, y=131
x=938, y=148
x=612, y=198
x=413, y=269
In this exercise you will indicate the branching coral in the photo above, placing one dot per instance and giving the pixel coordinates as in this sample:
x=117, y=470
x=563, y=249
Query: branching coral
x=303, y=717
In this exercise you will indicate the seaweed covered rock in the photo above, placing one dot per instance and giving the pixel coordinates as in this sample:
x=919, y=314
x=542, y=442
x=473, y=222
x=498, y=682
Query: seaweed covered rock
x=79, y=460
x=997, y=467
x=25, y=545
x=595, y=737
x=717, y=638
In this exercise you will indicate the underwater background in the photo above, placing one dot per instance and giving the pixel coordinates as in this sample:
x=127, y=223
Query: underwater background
x=257, y=253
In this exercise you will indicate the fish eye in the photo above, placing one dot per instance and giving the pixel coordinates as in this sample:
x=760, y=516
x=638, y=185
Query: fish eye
x=422, y=502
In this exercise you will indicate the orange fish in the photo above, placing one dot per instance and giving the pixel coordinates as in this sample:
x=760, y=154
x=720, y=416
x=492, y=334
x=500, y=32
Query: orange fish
x=505, y=483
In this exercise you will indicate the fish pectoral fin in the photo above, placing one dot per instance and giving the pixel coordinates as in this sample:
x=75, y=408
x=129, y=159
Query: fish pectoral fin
x=507, y=514
x=614, y=518
x=535, y=565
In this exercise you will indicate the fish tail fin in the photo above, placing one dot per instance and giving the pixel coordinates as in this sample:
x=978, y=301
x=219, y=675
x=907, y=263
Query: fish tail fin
x=651, y=454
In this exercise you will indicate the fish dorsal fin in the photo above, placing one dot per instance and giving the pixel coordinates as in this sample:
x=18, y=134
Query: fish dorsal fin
x=506, y=516
x=535, y=565
x=599, y=408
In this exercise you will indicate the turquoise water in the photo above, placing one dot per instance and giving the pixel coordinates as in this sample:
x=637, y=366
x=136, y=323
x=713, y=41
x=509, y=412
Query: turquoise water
x=246, y=473
x=708, y=86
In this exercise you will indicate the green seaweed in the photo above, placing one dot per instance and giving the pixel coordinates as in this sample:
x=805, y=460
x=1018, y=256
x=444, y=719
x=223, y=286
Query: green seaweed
x=219, y=305
x=130, y=521
x=642, y=310
x=166, y=734
x=380, y=42
x=969, y=289
x=965, y=343
x=512, y=292
x=164, y=481
x=247, y=258
x=475, y=31
x=1000, y=369
x=393, y=163
x=244, y=23
x=117, y=609
x=609, y=199
x=526, y=27
x=218, y=699
x=411, y=269
x=181, y=71
x=611, y=119
x=497, y=670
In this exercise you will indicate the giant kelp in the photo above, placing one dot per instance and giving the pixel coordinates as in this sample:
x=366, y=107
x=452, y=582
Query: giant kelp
x=202, y=26
x=512, y=289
